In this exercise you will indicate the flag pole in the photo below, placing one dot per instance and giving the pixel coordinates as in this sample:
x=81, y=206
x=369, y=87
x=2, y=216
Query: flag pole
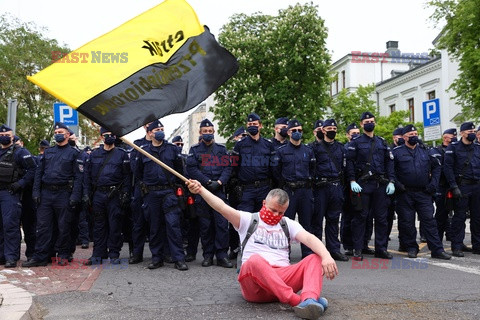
x=146, y=154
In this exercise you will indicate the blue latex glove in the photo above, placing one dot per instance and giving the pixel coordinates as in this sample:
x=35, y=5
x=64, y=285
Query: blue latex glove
x=390, y=188
x=355, y=187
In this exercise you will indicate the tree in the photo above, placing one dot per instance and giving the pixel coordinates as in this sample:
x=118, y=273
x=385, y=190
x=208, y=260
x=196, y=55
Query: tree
x=460, y=37
x=347, y=107
x=25, y=51
x=283, y=72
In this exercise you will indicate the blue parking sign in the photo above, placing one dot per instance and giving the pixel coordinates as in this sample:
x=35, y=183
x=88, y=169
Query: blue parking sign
x=64, y=113
x=431, y=113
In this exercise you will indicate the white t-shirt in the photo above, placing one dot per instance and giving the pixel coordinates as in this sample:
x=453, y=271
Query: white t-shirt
x=268, y=241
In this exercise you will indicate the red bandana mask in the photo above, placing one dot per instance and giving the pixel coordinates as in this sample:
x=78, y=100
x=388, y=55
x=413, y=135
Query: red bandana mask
x=268, y=217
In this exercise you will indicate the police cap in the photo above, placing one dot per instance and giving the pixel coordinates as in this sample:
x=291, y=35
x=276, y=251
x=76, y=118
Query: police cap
x=293, y=123
x=408, y=128
x=155, y=124
x=282, y=120
x=206, y=123
x=451, y=131
x=318, y=124
x=467, y=126
x=5, y=128
x=330, y=123
x=177, y=139
x=367, y=115
x=398, y=132
x=253, y=117
x=351, y=126
x=61, y=125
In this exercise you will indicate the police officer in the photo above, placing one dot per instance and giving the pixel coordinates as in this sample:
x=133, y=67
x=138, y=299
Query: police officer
x=140, y=225
x=160, y=202
x=57, y=190
x=370, y=171
x=17, y=168
x=328, y=188
x=462, y=170
x=417, y=175
x=252, y=165
x=317, y=130
x=295, y=170
x=352, y=132
x=178, y=141
x=107, y=180
x=280, y=137
x=398, y=140
x=209, y=163
x=442, y=208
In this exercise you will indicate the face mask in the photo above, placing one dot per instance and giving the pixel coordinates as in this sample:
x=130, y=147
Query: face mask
x=159, y=135
x=180, y=149
x=471, y=137
x=72, y=143
x=5, y=140
x=413, y=140
x=331, y=134
x=268, y=217
x=110, y=140
x=59, y=137
x=253, y=130
x=354, y=135
x=454, y=139
x=368, y=127
x=320, y=135
x=207, y=137
x=283, y=132
x=296, y=136
x=400, y=141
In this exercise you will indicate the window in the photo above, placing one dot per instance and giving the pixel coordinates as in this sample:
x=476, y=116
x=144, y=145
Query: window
x=343, y=79
x=392, y=108
x=411, y=109
x=336, y=83
x=431, y=95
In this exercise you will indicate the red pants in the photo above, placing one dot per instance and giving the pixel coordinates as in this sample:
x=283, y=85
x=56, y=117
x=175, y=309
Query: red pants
x=260, y=282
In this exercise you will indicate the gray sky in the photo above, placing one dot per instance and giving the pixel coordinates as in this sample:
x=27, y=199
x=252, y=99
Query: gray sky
x=353, y=25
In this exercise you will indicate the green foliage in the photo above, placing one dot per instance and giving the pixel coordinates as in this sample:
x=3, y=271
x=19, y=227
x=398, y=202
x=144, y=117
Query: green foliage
x=386, y=125
x=25, y=51
x=283, y=69
x=460, y=37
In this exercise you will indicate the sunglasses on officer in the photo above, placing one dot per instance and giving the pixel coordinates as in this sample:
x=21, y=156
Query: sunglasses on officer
x=296, y=130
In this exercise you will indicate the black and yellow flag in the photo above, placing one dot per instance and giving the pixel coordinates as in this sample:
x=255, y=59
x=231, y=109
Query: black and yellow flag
x=160, y=62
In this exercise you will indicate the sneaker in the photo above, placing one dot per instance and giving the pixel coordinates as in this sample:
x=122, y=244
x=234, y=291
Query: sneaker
x=309, y=309
x=324, y=302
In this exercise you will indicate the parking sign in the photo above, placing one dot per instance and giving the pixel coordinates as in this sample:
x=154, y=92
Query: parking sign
x=431, y=120
x=63, y=113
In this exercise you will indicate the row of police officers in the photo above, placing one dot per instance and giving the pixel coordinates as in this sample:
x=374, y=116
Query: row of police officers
x=361, y=183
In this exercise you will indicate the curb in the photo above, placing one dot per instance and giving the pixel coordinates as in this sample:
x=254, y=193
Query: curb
x=16, y=304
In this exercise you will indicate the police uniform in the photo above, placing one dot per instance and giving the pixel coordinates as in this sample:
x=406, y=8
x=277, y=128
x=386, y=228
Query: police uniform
x=417, y=176
x=370, y=165
x=442, y=208
x=139, y=224
x=17, y=169
x=108, y=181
x=58, y=190
x=462, y=171
x=328, y=191
x=209, y=164
x=160, y=203
x=252, y=162
x=295, y=165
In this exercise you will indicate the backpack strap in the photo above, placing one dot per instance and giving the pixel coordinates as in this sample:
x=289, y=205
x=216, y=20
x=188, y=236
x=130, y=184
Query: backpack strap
x=251, y=229
x=284, y=225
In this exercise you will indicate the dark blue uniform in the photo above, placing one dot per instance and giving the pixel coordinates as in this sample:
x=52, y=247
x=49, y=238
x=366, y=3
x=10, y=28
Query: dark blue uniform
x=140, y=226
x=295, y=169
x=328, y=191
x=206, y=164
x=441, y=206
x=160, y=204
x=252, y=162
x=107, y=177
x=370, y=164
x=417, y=175
x=16, y=167
x=462, y=170
x=58, y=184
x=277, y=144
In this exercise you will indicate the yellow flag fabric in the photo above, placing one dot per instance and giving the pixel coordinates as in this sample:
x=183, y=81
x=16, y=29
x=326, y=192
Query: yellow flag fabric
x=160, y=62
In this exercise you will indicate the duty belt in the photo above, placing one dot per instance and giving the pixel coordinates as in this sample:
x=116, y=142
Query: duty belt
x=107, y=188
x=54, y=187
x=158, y=187
x=415, y=189
x=298, y=184
x=256, y=184
x=322, y=182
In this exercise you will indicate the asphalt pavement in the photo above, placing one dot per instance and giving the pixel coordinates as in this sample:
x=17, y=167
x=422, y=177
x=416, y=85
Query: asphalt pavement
x=401, y=288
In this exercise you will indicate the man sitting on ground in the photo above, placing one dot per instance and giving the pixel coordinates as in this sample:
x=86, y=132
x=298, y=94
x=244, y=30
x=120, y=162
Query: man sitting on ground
x=266, y=274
